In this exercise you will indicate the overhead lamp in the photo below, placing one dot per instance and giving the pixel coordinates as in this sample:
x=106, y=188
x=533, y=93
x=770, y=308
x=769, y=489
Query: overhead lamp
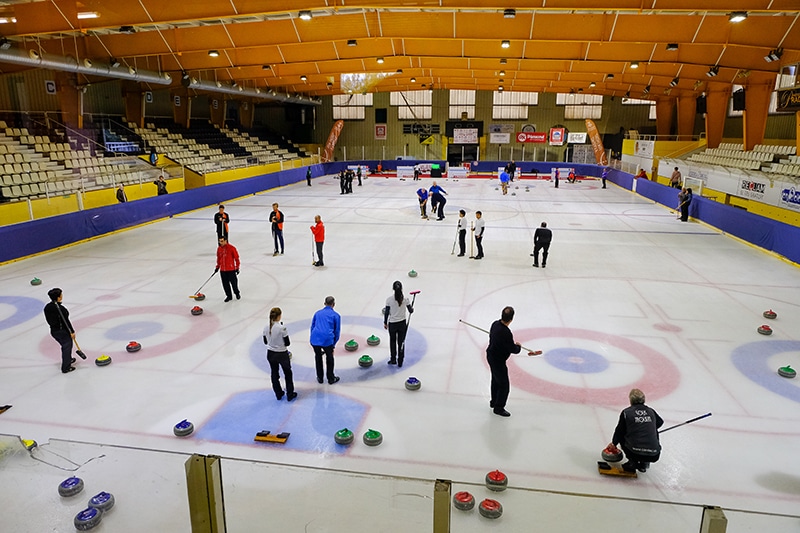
x=713, y=71
x=500, y=89
x=503, y=61
x=5, y=20
x=737, y=16
x=184, y=75
x=303, y=77
x=592, y=84
x=266, y=67
x=773, y=55
x=399, y=71
x=609, y=76
x=88, y=15
x=127, y=29
x=697, y=84
x=87, y=63
x=505, y=44
x=628, y=94
x=500, y=80
x=509, y=13
x=646, y=90
x=674, y=81
x=634, y=64
x=502, y=72
x=672, y=47
x=213, y=53
x=352, y=42
x=132, y=71
x=329, y=85
x=413, y=80
x=304, y=15
x=380, y=60
x=113, y=61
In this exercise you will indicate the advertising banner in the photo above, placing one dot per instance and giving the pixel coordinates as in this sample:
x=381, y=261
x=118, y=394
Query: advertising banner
x=380, y=132
x=576, y=138
x=531, y=137
x=597, y=143
x=499, y=138
x=465, y=136
x=557, y=136
x=330, y=144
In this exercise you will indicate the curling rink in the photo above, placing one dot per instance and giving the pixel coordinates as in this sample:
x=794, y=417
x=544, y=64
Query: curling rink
x=631, y=297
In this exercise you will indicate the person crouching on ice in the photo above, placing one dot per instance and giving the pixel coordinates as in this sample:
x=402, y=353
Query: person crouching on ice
x=637, y=433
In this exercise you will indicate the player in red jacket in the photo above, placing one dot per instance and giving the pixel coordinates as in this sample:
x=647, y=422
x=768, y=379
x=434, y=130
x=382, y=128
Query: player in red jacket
x=318, y=229
x=228, y=268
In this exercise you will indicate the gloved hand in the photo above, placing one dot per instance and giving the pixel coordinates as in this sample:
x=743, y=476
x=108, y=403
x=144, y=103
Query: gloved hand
x=216, y=270
x=237, y=271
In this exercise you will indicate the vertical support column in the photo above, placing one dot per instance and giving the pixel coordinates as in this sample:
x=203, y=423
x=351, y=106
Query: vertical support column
x=69, y=99
x=247, y=113
x=687, y=110
x=218, y=109
x=754, y=122
x=714, y=520
x=797, y=132
x=181, y=107
x=716, y=113
x=441, y=506
x=665, y=107
x=206, y=502
x=134, y=105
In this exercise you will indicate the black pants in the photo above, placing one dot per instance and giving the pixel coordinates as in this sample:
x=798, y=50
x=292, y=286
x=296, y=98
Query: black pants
x=229, y=281
x=280, y=360
x=500, y=384
x=222, y=234
x=319, y=252
x=342, y=184
x=64, y=338
x=685, y=212
x=440, y=200
x=462, y=241
x=479, y=244
x=397, y=341
x=328, y=370
x=544, y=247
x=638, y=459
x=277, y=236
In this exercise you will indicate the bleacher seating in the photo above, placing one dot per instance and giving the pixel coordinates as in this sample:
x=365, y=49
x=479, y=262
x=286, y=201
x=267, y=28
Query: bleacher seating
x=763, y=157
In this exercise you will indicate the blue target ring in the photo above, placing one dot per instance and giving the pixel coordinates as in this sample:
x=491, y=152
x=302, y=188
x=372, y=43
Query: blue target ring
x=576, y=360
x=27, y=308
x=416, y=348
x=752, y=360
x=134, y=330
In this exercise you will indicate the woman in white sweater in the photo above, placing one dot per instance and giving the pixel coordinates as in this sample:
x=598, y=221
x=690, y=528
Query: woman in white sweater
x=277, y=340
x=394, y=319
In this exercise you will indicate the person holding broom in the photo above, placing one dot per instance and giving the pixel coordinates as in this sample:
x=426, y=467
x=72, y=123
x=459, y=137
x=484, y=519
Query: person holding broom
x=501, y=346
x=637, y=433
x=61, y=329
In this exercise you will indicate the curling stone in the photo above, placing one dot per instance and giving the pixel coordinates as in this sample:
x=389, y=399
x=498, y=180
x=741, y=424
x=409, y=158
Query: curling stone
x=412, y=273
x=611, y=454
x=70, y=487
x=184, y=428
x=88, y=519
x=497, y=188
x=365, y=361
x=496, y=481
x=516, y=186
x=513, y=194
x=103, y=360
x=767, y=314
x=413, y=383
x=463, y=501
x=344, y=437
x=36, y=281
x=787, y=371
x=133, y=346
x=351, y=345
x=490, y=508
x=373, y=340
x=765, y=330
x=197, y=310
x=102, y=500
x=372, y=437
x=199, y=297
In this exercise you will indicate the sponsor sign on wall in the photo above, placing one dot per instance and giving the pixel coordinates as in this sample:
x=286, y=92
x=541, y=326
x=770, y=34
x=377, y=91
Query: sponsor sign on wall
x=576, y=138
x=752, y=188
x=465, y=136
x=380, y=132
x=790, y=198
x=501, y=128
x=499, y=138
x=644, y=148
x=531, y=137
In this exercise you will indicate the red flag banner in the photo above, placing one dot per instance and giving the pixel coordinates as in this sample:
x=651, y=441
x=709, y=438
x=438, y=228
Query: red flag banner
x=333, y=136
x=597, y=143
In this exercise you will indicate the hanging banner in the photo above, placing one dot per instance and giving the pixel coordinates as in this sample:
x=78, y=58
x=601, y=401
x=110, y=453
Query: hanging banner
x=557, y=136
x=531, y=137
x=597, y=143
x=380, y=132
x=333, y=137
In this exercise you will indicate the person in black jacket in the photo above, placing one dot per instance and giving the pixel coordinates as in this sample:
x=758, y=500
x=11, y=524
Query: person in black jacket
x=637, y=433
x=501, y=346
x=61, y=328
x=222, y=219
x=541, y=241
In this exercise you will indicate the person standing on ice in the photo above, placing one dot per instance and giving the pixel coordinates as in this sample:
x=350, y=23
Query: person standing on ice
x=228, y=268
x=501, y=346
x=637, y=433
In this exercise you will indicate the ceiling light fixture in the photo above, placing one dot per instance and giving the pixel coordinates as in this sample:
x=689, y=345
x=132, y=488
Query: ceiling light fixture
x=674, y=81
x=502, y=72
x=88, y=15
x=592, y=84
x=503, y=61
x=609, y=76
x=628, y=94
x=213, y=53
x=113, y=61
x=500, y=89
x=413, y=80
x=737, y=16
x=672, y=47
x=697, y=84
x=304, y=15
x=505, y=44
x=509, y=13
x=380, y=60
x=303, y=77
x=646, y=90
x=266, y=67
x=352, y=42
x=634, y=64
x=399, y=71
x=127, y=29
x=713, y=71
x=773, y=55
